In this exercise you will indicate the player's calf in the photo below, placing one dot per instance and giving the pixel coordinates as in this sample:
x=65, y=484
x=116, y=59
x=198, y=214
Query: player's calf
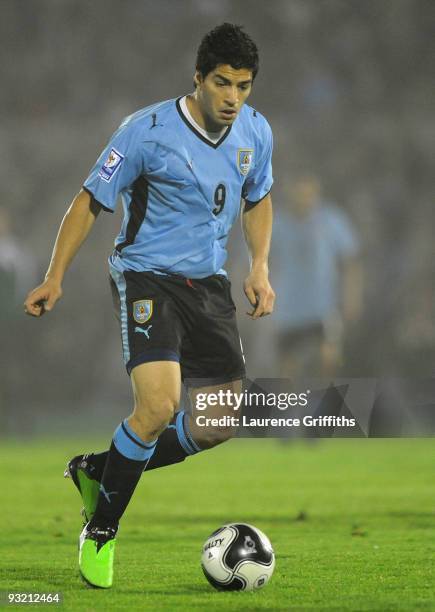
x=208, y=436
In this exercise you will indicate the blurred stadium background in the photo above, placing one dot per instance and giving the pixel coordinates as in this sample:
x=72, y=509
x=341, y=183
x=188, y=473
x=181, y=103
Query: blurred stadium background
x=348, y=89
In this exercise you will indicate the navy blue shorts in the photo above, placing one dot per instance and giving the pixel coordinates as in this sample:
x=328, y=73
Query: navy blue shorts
x=171, y=318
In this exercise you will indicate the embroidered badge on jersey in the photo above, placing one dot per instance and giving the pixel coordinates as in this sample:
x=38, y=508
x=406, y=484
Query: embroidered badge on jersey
x=111, y=165
x=142, y=311
x=244, y=160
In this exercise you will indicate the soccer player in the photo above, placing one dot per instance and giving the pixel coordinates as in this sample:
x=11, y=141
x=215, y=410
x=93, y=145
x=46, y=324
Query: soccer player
x=181, y=168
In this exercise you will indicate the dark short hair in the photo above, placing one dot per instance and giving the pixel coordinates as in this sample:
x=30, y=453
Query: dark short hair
x=227, y=44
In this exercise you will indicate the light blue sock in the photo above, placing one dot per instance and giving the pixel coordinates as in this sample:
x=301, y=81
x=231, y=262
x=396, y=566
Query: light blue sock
x=129, y=444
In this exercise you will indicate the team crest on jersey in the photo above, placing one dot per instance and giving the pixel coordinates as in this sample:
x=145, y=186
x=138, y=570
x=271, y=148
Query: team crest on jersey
x=111, y=165
x=142, y=310
x=244, y=160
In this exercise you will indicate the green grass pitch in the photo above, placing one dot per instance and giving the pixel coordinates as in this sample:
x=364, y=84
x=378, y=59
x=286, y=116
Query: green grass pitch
x=352, y=524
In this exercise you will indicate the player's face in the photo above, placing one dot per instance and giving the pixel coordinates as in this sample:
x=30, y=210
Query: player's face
x=222, y=93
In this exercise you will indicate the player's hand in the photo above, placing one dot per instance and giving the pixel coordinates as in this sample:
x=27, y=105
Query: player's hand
x=43, y=298
x=259, y=292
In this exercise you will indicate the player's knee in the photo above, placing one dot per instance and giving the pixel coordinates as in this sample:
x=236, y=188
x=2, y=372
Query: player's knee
x=149, y=427
x=150, y=419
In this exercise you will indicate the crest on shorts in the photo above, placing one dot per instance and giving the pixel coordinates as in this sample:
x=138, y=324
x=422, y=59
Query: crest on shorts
x=244, y=160
x=111, y=165
x=142, y=310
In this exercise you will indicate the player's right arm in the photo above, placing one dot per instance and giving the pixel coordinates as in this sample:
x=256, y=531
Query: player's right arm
x=118, y=166
x=73, y=230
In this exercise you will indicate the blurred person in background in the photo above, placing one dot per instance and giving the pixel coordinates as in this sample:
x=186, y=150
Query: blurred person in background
x=319, y=281
x=17, y=271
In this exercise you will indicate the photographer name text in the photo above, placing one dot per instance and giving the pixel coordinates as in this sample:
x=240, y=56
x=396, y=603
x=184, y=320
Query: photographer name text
x=244, y=421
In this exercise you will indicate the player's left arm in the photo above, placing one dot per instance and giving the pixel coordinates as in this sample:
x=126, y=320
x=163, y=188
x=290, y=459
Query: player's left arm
x=257, y=228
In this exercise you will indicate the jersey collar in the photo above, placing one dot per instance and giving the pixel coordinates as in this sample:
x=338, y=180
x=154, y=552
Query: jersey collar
x=197, y=133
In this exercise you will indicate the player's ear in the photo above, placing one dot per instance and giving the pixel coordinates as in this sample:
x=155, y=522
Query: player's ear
x=197, y=79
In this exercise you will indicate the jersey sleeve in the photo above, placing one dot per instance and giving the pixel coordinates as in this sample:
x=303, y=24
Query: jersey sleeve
x=118, y=166
x=259, y=181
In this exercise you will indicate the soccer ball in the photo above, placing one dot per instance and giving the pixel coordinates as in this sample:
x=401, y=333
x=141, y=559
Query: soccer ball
x=238, y=557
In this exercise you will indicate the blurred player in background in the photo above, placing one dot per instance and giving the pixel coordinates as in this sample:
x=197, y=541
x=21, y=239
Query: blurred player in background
x=17, y=268
x=18, y=271
x=318, y=277
x=181, y=168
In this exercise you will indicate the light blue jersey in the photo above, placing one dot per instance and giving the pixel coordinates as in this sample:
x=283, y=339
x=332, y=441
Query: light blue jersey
x=180, y=191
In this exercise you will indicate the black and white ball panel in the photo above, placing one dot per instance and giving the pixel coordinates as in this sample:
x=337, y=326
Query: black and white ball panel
x=233, y=584
x=248, y=545
x=238, y=556
x=213, y=552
